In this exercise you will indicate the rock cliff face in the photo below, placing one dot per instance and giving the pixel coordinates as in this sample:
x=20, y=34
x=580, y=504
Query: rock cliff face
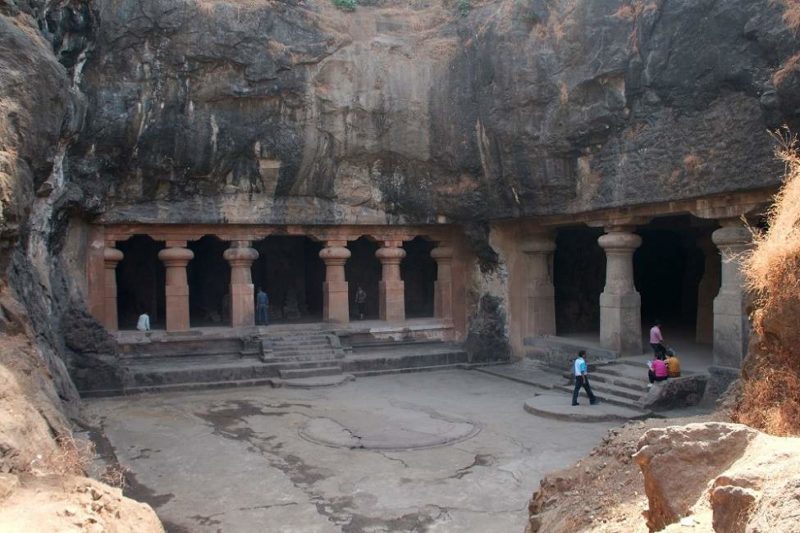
x=266, y=111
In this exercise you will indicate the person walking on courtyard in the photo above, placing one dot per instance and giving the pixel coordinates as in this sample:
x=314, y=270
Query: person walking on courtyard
x=361, y=301
x=657, y=341
x=262, y=307
x=582, y=379
x=143, y=324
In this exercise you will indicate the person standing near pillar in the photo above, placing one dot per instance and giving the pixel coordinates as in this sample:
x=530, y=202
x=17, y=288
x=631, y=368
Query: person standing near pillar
x=262, y=307
x=581, y=371
x=361, y=302
x=657, y=341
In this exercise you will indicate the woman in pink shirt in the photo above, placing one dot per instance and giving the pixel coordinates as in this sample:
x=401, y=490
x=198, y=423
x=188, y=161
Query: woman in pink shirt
x=657, y=341
x=658, y=370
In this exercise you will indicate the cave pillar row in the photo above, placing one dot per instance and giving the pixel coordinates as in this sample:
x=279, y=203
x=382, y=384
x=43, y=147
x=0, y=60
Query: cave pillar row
x=731, y=323
x=241, y=257
x=620, y=303
x=707, y=291
x=540, y=293
x=335, y=298
x=175, y=258
x=111, y=258
x=443, y=287
x=392, y=298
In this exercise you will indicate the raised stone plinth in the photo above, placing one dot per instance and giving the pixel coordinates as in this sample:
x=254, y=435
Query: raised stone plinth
x=559, y=407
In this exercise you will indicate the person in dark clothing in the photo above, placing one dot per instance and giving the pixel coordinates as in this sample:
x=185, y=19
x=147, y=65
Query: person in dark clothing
x=361, y=302
x=262, y=307
x=582, y=379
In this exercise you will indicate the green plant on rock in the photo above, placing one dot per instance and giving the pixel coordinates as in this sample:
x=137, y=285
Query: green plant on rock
x=463, y=7
x=346, y=5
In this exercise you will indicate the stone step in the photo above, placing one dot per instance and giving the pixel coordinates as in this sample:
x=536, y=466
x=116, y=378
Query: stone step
x=384, y=362
x=372, y=345
x=323, y=342
x=295, y=373
x=313, y=382
x=634, y=384
x=604, y=396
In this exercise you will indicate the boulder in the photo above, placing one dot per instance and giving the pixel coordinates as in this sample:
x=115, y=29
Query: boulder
x=675, y=393
x=678, y=462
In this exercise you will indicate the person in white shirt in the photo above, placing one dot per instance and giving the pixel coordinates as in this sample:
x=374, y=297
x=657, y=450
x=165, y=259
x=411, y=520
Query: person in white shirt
x=144, y=322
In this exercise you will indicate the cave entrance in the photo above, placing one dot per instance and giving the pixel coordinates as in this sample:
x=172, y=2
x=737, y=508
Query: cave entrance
x=209, y=276
x=363, y=269
x=291, y=272
x=418, y=271
x=579, y=272
x=140, y=282
x=676, y=271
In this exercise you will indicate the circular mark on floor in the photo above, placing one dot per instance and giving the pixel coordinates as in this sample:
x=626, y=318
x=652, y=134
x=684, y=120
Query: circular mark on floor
x=395, y=428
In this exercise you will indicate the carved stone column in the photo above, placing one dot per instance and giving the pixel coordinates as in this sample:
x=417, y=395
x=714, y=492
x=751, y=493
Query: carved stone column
x=392, y=294
x=241, y=256
x=540, y=293
x=111, y=257
x=175, y=258
x=335, y=299
x=443, y=288
x=731, y=323
x=620, y=304
x=706, y=292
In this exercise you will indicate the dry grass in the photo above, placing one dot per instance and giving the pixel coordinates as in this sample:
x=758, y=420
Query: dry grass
x=70, y=458
x=791, y=13
x=771, y=375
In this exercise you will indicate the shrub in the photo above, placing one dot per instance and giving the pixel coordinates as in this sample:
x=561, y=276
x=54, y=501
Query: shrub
x=346, y=5
x=463, y=7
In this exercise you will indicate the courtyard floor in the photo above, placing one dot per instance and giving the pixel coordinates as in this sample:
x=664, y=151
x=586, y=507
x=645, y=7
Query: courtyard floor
x=442, y=451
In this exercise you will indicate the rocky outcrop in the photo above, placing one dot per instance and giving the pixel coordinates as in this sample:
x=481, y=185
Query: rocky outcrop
x=677, y=464
x=675, y=393
x=726, y=476
x=302, y=113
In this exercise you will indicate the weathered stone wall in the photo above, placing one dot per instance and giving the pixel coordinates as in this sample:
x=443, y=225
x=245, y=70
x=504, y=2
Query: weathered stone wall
x=297, y=112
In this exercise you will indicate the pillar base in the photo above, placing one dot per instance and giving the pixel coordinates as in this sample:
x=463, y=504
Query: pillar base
x=335, y=302
x=392, y=301
x=621, y=323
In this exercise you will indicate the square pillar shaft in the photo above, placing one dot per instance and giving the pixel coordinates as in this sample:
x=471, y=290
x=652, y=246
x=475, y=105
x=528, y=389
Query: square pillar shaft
x=620, y=303
x=111, y=257
x=443, y=287
x=540, y=293
x=335, y=291
x=731, y=323
x=392, y=295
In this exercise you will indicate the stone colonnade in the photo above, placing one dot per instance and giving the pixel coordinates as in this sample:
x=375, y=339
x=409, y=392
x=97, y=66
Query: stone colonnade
x=241, y=255
x=620, y=303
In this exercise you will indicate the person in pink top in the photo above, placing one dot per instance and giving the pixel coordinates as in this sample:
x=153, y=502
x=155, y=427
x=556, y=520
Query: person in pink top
x=658, y=370
x=657, y=341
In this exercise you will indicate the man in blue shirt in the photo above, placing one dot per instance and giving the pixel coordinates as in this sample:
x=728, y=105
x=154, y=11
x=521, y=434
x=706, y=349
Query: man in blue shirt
x=262, y=306
x=581, y=379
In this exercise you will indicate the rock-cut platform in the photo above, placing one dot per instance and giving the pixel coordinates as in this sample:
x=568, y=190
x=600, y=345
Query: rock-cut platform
x=559, y=407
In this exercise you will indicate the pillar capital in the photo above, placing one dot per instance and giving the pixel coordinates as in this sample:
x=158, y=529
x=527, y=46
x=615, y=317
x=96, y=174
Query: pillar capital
x=390, y=254
x=619, y=238
x=442, y=254
x=175, y=256
x=732, y=236
x=112, y=256
x=240, y=256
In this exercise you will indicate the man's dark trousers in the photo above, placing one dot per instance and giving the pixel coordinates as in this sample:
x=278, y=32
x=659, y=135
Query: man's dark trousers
x=582, y=381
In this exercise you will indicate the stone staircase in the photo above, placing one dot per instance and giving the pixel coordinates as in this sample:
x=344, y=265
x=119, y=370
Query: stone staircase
x=622, y=383
x=303, y=356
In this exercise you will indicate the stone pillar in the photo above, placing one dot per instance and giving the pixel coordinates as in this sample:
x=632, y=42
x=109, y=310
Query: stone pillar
x=620, y=304
x=335, y=298
x=111, y=257
x=443, y=288
x=731, y=323
x=392, y=294
x=706, y=292
x=175, y=258
x=241, y=256
x=540, y=293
